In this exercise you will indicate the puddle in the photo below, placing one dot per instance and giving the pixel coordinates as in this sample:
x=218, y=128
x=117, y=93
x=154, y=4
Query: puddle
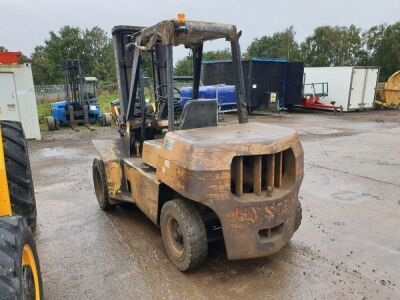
x=351, y=196
x=58, y=152
x=320, y=130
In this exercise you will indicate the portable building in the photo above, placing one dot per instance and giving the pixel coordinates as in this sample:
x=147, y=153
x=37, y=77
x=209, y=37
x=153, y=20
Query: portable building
x=353, y=88
x=17, y=98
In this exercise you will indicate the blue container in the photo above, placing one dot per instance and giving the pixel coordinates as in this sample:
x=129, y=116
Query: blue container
x=262, y=76
x=225, y=94
x=58, y=111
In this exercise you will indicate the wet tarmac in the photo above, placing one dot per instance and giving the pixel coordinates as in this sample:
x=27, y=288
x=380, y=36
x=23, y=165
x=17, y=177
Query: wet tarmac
x=348, y=246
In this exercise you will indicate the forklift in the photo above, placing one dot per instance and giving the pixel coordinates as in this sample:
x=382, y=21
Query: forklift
x=195, y=179
x=80, y=105
x=20, y=276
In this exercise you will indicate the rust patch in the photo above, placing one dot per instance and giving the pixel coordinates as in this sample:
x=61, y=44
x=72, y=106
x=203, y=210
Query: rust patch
x=114, y=176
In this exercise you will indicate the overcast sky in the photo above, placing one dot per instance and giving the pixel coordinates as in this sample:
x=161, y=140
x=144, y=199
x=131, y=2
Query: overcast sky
x=26, y=23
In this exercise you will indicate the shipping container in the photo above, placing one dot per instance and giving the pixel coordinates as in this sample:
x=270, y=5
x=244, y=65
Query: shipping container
x=262, y=78
x=353, y=88
x=17, y=98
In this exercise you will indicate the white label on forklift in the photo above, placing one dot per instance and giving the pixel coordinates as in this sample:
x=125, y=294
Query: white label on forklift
x=92, y=107
x=273, y=98
x=169, y=144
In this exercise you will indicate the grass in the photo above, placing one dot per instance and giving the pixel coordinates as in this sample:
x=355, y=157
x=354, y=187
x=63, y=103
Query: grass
x=44, y=110
x=105, y=97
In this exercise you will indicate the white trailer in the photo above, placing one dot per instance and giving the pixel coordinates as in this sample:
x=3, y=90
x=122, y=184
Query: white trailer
x=353, y=88
x=17, y=98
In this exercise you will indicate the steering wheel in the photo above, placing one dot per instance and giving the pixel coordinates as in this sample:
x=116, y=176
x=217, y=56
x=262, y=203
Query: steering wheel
x=177, y=94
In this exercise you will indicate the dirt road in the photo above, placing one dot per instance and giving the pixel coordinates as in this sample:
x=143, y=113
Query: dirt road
x=348, y=246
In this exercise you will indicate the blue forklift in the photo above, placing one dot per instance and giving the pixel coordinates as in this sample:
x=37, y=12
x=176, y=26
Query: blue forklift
x=80, y=105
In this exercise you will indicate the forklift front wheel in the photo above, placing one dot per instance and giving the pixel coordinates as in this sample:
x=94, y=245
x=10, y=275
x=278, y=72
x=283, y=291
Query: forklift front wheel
x=184, y=234
x=51, y=123
x=106, y=120
x=100, y=184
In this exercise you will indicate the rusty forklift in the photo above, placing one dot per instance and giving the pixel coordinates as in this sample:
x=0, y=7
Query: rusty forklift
x=194, y=179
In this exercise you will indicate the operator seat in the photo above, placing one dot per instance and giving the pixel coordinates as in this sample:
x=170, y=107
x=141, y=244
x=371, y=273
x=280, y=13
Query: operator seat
x=199, y=113
x=195, y=114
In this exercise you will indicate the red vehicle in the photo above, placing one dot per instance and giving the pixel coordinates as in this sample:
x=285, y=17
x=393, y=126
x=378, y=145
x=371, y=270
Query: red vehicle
x=312, y=99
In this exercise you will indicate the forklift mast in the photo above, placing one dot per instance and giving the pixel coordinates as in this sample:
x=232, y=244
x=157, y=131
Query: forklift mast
x=130, y=42
x=74, y=80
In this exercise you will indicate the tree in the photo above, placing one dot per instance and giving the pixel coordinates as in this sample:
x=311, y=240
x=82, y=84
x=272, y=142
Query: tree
x=279, y=45
x=384, y=46
x=40, y=66
x=3, y=49
x=184, y=66
x=371, y=39
x=332, y=46
x=92, y=45
x=99, y=47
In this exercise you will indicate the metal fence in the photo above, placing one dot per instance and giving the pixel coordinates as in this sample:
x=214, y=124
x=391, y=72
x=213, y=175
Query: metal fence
x=49, y=93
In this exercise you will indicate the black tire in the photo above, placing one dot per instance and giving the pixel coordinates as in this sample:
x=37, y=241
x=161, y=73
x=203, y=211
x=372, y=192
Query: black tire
x=100, y=184
x=299, y=216
x=184, y=234
x=17, y=276
x=18, y=168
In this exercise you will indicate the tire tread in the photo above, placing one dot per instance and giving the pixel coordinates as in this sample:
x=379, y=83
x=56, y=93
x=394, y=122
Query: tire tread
x=190, y=218
x=14, y=234
x=19, y=173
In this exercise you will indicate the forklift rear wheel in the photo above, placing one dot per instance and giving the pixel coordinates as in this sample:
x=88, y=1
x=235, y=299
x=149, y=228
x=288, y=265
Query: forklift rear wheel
x=299, y=216
x=20, y=278
x=18, y=169
x=51, y=123
x=100, y=184
x=184, y=234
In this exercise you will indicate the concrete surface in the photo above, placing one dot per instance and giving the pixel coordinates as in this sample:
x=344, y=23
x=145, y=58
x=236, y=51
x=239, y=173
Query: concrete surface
x=348, y=246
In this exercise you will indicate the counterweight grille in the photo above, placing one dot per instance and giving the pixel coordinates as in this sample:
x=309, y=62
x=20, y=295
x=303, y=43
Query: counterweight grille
x=262, y=174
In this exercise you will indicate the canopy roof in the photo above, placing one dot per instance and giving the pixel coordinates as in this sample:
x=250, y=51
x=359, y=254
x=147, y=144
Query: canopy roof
x=173, y=32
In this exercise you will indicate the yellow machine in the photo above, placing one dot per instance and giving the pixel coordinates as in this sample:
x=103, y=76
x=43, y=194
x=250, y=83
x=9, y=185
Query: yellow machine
x=19, y=265
x=388, y=93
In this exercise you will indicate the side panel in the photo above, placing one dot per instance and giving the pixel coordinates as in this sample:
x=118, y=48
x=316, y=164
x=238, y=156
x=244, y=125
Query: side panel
x=357, y=88
x=8, y=98
x=294, y=83
x=267, y=77
x=366, y=80
x=145, y=189
x=338, y=78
